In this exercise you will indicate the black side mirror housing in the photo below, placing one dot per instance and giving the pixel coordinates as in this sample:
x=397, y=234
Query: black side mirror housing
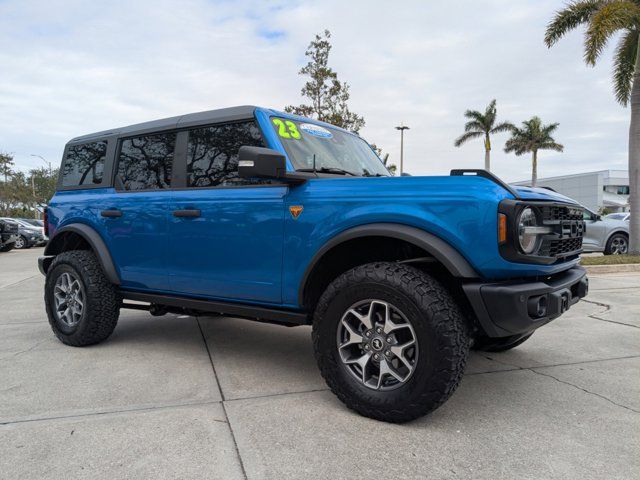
x=259, y=162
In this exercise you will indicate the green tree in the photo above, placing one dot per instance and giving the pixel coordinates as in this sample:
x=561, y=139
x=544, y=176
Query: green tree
x=533, y=136
x=483, y=125
x=603, y=19
x=328, y=96
x=385, y=159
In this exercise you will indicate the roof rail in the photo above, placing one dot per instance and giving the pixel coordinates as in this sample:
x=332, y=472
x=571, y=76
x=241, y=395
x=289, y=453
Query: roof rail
x=479, y=172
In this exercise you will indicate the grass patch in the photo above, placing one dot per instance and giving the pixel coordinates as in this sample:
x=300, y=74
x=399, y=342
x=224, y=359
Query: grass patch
x=610, y=260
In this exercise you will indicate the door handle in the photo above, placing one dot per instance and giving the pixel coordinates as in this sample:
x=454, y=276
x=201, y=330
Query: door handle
x=111, y=213
x=189, y=213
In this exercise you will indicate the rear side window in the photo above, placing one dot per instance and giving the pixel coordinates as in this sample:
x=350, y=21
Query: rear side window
x=84, y=164
x=212, y=154
x=145, y=162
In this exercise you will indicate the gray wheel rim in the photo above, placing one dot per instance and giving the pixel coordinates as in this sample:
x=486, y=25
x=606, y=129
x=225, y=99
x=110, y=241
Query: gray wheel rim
x=19, y=242
x=619, y=246
x=68, y=296
x=377, y=344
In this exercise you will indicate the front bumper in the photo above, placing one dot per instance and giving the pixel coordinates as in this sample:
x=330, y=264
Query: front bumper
x=520, y=306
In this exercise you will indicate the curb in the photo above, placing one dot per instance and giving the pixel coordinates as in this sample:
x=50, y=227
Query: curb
x=621, y=268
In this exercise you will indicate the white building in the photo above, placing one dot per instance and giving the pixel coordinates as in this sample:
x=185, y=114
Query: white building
x=596, y=190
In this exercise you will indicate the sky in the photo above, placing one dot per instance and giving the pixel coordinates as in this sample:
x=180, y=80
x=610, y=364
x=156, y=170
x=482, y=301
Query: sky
x=68, y=68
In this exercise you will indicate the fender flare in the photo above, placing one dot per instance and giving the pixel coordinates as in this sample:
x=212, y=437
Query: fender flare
x=442, y=251
x=94, y=239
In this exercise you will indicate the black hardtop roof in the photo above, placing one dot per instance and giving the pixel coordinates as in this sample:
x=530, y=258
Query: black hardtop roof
x=182, y=121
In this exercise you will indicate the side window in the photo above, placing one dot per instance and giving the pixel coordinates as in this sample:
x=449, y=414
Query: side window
x=84, y=164
x=146, y=162
x=212, y=154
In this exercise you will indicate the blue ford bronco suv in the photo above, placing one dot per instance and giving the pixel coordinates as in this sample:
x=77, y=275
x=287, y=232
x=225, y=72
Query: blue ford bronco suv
x=254, y=213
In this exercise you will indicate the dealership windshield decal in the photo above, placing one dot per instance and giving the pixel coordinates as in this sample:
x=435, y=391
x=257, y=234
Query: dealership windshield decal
x=315, y=130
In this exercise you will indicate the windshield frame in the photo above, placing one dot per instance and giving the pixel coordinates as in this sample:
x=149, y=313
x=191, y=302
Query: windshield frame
x=379, y=169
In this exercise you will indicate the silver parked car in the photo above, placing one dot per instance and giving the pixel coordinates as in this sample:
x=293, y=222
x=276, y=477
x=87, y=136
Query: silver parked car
x=607, y=235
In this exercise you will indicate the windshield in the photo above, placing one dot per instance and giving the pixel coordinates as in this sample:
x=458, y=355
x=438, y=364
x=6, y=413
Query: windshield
x=332, y=150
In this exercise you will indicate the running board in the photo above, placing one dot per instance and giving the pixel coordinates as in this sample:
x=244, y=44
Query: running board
x=252, y=312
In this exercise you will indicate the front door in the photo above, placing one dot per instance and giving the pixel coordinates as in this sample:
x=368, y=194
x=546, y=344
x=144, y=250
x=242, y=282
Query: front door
x=595, y=233
x=225, y=233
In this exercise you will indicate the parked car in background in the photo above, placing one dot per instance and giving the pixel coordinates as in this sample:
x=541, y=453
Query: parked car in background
x=33, y=221
x=605, y=234
x=28, y=235
x=618, y=216
x=8, y=235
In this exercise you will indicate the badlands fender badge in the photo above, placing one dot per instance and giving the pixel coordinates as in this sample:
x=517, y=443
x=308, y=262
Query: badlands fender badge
x=295, y=211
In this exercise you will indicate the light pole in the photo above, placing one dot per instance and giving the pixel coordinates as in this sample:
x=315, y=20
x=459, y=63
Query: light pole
x=45, y=161
x=402, y=128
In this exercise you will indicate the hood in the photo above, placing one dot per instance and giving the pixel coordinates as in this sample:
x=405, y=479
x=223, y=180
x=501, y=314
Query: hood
x=537, y=193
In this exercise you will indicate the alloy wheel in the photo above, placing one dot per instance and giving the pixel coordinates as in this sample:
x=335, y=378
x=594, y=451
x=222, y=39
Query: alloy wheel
x=619, y=246
x=20, y=243
x=69, y=299
x=377, y=344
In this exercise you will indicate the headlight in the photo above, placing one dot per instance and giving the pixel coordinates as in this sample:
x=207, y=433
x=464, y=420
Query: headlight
x=528, y=231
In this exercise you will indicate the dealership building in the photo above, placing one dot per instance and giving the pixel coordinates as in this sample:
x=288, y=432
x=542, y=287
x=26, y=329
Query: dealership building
x=595, y=190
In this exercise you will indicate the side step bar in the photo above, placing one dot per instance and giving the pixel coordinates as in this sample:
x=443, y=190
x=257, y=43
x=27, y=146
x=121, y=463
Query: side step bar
x=252, y=312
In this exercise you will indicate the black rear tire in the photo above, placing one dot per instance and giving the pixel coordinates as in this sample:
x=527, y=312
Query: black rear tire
x=101, y=302
x=441, y=334
x=618, y=244
x=21, y=243
x=502, y=344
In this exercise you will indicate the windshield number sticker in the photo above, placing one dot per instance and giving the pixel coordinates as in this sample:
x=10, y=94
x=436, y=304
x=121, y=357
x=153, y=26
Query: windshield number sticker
x=287, y=129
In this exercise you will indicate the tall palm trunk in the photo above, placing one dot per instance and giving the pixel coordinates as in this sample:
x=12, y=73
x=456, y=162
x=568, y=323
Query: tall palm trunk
x=534, y=168
x=487, y=153
x=634, y=161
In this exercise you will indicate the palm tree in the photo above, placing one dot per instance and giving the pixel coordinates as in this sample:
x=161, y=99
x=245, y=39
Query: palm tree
x=483, y=125
x=603, y=19
x=533, y=136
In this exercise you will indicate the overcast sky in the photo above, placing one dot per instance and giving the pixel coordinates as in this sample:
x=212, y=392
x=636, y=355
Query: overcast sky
x=75, y=67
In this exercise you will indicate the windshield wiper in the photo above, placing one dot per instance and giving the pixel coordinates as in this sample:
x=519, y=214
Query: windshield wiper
x=336, y=170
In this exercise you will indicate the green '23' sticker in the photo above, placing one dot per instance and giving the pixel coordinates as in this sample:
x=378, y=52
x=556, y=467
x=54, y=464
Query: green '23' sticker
x=286, y=128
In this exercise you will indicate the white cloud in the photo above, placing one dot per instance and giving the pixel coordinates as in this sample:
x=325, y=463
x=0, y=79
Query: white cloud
x=78, y=67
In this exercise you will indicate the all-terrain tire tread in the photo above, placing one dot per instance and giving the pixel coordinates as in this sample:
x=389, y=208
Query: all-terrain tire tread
x=446, y=317
x=101, y=298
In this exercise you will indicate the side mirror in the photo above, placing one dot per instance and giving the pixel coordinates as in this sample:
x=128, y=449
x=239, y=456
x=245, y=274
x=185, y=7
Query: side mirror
x=259, y=162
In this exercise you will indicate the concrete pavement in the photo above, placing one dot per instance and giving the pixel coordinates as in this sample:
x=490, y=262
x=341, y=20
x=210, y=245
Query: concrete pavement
x=186, y=397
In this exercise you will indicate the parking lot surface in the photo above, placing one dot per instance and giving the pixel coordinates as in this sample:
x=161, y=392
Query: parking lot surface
x=212, y=397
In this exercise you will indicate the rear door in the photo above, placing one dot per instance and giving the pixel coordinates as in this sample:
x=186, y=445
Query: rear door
x=135, y=217
x=225, y=232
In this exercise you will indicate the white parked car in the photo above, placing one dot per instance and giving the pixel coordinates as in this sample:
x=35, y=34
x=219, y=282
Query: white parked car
x=605, y=234
x=618, y=216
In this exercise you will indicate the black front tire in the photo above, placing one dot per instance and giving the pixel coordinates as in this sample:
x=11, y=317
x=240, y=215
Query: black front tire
x=101, y=300
x=21, y=243
x=441, y=332
x=502, y=344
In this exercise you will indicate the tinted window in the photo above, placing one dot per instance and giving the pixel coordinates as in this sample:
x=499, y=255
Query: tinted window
x=84, y=164
x=212, y=154
x=146, y=162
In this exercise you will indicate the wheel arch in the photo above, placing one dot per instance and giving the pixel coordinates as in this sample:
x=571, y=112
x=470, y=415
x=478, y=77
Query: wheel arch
x=417, y=241
x=78, y=236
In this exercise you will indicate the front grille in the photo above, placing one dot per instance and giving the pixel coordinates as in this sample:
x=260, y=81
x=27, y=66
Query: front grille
x=568, y=229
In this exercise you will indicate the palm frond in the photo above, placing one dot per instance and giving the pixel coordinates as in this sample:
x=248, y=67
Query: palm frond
x=474, y=125
x=551, y=145
x=624, y=66
x=503, y=127
x=575, y=14
x=547, y=130
x=474, y=115
x=466, y=137
x=607, y=20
